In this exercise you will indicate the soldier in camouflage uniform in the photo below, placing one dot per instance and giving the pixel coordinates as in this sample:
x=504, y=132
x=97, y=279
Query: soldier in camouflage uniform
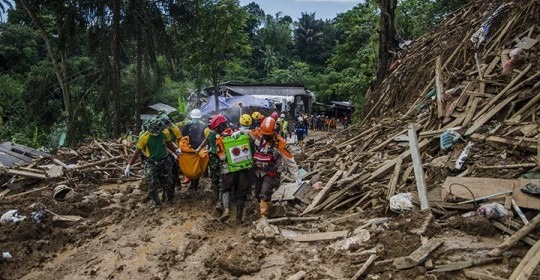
x=157, y=170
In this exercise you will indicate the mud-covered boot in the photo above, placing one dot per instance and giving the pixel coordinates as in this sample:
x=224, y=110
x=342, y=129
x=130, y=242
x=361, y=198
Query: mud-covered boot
x=264, y=206
x=226, y=207
x=239, y=212
x=155, y=201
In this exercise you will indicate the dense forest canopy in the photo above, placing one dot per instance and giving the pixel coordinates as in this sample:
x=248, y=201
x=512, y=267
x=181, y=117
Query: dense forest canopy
x=88, y=67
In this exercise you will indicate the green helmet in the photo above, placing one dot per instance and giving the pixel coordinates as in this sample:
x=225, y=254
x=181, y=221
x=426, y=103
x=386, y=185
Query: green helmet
x=155, y=126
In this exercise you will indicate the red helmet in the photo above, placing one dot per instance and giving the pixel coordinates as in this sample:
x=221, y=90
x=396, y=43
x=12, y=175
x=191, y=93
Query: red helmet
x=275, y=116
x=217, y=120
x=267, y=126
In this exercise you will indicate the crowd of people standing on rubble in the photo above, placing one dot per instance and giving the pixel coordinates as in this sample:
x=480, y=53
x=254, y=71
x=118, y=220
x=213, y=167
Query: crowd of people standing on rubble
x=239, y=157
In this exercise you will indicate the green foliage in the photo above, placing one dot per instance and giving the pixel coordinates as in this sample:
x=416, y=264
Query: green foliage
x=184, y=46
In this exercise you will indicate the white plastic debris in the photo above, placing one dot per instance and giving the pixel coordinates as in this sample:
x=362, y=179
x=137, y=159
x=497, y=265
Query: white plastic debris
x=401, y=202
x=11, y=216
x=493, y=211
x=6, y=255
x=355, y=240
x=463, y=156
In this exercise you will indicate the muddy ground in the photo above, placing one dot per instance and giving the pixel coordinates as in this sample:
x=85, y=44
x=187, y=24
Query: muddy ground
x=120, y=237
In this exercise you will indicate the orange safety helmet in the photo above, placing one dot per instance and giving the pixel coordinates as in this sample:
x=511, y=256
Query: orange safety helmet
x=268, y=126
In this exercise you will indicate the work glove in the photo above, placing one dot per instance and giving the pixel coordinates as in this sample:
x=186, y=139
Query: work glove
x=299, y=182
x=236, y=134
x=128, y=169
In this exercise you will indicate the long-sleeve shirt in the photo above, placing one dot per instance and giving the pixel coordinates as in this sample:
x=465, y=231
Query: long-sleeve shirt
x=284, y=160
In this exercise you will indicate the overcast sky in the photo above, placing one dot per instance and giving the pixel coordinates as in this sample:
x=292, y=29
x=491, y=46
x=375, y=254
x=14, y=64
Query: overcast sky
x=325, y=9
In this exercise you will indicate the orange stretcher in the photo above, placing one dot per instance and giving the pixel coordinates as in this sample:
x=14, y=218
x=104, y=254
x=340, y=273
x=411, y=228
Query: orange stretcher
x=192, y=164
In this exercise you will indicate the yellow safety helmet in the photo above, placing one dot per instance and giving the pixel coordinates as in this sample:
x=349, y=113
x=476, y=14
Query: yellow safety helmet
x=245, y=120
x=256, y=116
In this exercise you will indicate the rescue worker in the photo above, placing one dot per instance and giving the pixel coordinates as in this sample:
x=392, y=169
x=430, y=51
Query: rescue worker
x=257, y=118
x=300, y=130
x=284, y=127
x=175, y=134
x=195, y=130
x=157, y=170
x=271, y=157
x=218, y=125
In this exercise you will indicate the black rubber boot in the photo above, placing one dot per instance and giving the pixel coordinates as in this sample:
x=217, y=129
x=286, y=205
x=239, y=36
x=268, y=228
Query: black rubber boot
x=239, y=212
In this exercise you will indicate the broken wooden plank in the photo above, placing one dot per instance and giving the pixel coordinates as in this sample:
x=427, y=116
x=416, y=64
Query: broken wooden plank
x=528, y=264
x=351, y=170
x=487, y=116
x=347, y=218
x=472, y=274
x=394, y=180
x=322, y=193
x=389, y=165
x=364, y=267
x=515, y=237
x=509, y=166
x=27, y=174
x=461, y=265
x=514, y=142
x=298, y=276
x=321, y=236
x=439, y=87
x=418, y=170
x=334, y=198
x=503, y=92
x=505, y=229
x=418, y=256
x=92, y=164
x=516, y=208
x=292, y=219
x=482, y=187
x=438, y=132
x=26, y=192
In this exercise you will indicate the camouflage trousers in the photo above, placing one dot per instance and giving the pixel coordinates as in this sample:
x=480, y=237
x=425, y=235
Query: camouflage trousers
x=157, y=174
x=215, y=175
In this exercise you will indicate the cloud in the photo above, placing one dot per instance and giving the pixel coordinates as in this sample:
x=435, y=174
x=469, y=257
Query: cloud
x=336, y=1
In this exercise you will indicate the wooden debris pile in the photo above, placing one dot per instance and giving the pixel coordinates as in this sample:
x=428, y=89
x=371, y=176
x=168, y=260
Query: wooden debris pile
x=91, y=164
x=482, y=94
x=470, y=96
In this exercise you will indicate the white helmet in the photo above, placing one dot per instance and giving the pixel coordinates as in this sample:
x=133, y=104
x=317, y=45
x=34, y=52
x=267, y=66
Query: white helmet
x=195, y=114
x=300, y=119
x=282, y=116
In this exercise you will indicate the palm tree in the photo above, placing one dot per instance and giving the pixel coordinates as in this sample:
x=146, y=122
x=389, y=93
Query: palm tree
x=270, y=59
x=309, y=28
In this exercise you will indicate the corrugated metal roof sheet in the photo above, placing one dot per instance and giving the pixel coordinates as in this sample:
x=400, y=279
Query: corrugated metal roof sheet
x=162, y=107
x=268, y=90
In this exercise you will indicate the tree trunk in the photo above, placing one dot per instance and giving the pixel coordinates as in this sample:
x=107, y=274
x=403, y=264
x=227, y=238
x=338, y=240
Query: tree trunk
x=60, y=70
x=387, y=39
x=138, y=86
x=116, y=68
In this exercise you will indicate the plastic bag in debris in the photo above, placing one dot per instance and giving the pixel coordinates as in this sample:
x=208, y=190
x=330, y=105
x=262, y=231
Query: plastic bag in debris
x=38, y=216
x=483, y=31
x=492, y=211
x=463, y=156
x=401, y=202
x=6, y=256
x=448, y=138
x=12, y=216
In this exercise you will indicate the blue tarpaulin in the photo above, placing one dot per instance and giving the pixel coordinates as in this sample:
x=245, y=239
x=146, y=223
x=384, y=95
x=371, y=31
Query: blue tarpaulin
x=232, y=102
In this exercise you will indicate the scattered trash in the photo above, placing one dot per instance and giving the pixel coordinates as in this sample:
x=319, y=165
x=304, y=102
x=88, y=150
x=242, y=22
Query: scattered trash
x=401, y=202
x=318, y=186
x=481, y=34
x=531, y=189
x=61, y=191
x=354, y=241
x=463, y=156
x=493, y=211
x=12, y=216
x=448, y=138
x=6, y=256
x=38, y=216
